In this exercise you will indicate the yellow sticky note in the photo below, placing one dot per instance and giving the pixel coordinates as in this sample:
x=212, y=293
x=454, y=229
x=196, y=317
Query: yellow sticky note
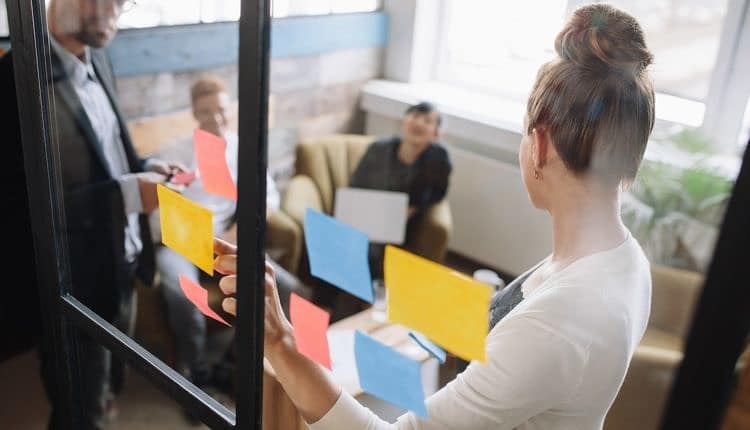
x=448, y=307
x=187, y=228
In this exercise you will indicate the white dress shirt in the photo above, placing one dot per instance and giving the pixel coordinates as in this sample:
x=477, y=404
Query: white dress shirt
x=102, y=117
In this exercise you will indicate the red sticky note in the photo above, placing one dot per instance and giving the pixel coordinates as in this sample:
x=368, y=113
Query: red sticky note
x=210, y=152
x=310, y=324
x=183, y=178
x=199, y=296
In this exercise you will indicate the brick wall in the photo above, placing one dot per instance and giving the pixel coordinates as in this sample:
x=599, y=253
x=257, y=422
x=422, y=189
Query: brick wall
x=311, y=95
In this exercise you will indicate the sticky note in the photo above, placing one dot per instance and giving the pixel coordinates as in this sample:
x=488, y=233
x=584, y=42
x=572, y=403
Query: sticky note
x=310, y=324
x=199, y=297
x=183, y=178
x=187, y=228
x=210, y=153
x=338, y=254
x=388, y=375
x=450, y=308
x=343, y=361
x=428, y=346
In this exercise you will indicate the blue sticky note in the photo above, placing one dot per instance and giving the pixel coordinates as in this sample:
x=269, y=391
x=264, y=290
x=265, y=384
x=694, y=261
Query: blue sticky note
x=428, y=346
x=388, y=375
x=338, y=254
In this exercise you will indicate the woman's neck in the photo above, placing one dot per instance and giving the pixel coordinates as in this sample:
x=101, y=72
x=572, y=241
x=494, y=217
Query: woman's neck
x=584, y=222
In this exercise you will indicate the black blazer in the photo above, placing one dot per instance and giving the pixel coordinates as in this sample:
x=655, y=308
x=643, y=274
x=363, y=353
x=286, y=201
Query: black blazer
x=95, y=215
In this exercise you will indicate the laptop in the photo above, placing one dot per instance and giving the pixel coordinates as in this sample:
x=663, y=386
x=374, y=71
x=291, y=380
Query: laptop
x=381, y=215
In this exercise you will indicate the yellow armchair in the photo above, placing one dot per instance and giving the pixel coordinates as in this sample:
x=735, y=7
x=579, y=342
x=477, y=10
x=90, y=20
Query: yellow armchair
x=645, y=391
x=326, y=163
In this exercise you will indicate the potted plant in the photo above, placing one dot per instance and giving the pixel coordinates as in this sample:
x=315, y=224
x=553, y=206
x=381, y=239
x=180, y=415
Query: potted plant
x=676, y=204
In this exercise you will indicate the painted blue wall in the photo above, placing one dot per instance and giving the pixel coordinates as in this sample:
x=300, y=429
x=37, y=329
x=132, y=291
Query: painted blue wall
x=204, y=46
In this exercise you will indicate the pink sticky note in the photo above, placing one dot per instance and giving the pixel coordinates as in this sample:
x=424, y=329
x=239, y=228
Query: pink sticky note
x=199, y=296
x=210, y=152
x=310, y=324
x=183, y=178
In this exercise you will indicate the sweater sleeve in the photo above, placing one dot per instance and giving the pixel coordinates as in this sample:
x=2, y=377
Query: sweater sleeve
x=431, y=185
x=530, y=369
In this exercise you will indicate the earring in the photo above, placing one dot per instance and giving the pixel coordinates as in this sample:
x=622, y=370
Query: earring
x=536, y=174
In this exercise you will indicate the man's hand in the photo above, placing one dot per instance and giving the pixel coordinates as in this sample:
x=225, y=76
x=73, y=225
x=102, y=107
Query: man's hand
x=166, y=168
x=169, y=169
x=147, y=182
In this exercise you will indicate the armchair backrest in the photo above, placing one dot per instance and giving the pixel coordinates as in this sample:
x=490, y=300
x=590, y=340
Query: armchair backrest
x=675, y=294
x=330, y=161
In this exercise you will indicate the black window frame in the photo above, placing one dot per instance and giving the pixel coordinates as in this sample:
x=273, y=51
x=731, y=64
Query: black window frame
x=64, y=317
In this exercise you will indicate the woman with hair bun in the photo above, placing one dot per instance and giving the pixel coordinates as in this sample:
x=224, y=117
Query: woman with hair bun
x=562, y=334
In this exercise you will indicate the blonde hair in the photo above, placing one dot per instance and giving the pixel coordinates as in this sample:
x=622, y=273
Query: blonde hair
x=206, y=86
x=596, y=100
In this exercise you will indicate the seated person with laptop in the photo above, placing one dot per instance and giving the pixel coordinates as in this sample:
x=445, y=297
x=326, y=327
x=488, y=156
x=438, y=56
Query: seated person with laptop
x=210, y=103
x=413, y=162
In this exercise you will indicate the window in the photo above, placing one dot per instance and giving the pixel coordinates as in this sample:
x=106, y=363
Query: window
x=684, y=37
x=152, y=13
x=282, y=8
x=745, y=128
x=3, y=20
x=491, y=47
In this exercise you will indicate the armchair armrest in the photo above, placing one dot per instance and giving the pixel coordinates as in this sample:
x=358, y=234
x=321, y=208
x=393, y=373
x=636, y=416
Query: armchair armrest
x=645, y=390
x=429, y=234
x=284, y=240
x=301, y=193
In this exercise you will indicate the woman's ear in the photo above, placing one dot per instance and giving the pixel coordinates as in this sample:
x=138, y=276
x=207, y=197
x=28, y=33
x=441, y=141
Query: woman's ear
x=539, y=146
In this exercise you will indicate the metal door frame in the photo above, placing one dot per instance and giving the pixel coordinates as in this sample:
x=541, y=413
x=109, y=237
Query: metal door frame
x=64, y=316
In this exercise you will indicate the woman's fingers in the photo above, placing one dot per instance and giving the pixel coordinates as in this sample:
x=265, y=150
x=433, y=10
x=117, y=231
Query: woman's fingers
x=222, y=247
x=226, y=264
x=229, y=305
x=228, y=284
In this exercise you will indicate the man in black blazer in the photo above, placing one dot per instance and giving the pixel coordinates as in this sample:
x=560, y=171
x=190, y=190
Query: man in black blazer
x=108, y=189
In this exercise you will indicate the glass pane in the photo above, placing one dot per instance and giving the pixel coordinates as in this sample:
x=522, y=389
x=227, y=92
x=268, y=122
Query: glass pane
x=140, y=219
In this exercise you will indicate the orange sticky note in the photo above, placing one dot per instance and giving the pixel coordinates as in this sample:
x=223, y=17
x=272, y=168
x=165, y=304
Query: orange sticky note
x=310, y=324
x=210, y=152
x=199, y=296
x=187, y=228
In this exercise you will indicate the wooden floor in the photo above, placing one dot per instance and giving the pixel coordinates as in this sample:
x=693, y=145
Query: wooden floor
x=24, y=406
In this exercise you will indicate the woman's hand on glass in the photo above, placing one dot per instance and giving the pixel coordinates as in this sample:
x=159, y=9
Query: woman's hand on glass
x=278, y=330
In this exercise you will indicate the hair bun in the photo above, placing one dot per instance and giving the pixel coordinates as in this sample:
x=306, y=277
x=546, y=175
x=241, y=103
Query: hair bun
x=601, y=36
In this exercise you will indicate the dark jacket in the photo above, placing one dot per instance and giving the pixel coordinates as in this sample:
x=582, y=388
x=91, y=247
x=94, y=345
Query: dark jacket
x=94, y=211
x=426, y=181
